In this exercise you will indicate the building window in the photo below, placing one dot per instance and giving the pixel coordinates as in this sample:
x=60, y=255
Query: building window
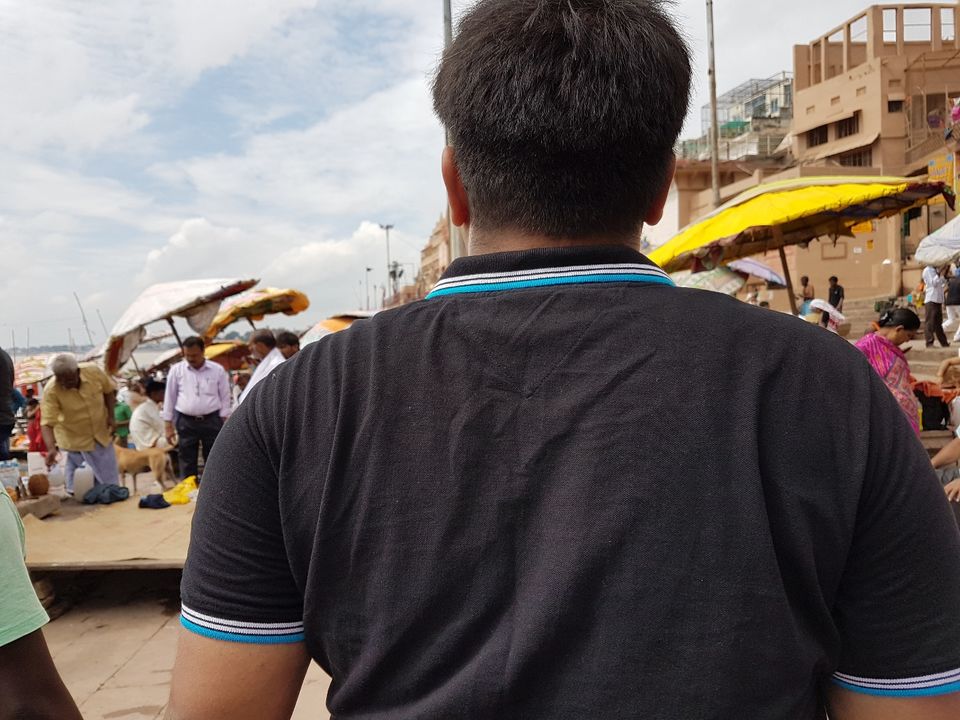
x=948, y=24
x=774, y=107
x=857, y=158
x=858, y=31
x=848, y=126
x=890, y=25
x=894, y=106
x=817, y=136
x=917, y=25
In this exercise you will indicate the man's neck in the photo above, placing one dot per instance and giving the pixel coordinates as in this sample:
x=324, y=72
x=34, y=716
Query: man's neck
x=484, y=243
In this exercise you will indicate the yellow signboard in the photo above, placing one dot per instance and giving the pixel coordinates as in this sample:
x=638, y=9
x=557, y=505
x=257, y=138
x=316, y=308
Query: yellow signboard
x=941, y=169
x=862, y=228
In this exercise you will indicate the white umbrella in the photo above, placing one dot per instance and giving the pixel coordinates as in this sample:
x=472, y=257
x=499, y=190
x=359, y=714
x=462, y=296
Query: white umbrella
x=826, y=307
x=195, y=300
x=941, y=247
x=749, y=266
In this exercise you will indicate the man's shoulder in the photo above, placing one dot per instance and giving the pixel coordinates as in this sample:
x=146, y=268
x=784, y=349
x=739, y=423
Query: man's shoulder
x=216, y=367
x=92, y=370
x=756, y=331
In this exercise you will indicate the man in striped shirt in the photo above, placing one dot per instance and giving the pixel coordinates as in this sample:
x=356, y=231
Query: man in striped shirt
x=560, y=487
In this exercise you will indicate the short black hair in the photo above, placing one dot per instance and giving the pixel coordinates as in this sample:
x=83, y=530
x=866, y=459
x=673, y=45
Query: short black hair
x=264, y=337
x=804, y=279
x=900, y=316
x=287, y=338
x=194, y=342
x=563, y=115
x=833, y=278
x=155, y=386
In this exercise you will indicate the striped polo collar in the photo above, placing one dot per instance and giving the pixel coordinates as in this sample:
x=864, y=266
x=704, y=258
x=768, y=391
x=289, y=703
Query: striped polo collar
x=545, y=267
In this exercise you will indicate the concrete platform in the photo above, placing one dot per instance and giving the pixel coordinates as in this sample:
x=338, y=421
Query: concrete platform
x=116, y=645
x=121, y=536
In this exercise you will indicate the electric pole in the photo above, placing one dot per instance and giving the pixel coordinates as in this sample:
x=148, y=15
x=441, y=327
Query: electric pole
x=455, y=249
x=369, y=269
x=714, y=127
x=387, y=229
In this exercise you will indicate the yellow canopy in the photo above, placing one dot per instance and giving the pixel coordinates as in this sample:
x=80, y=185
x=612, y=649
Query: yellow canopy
x=254, y=305
x=790, y=212
x=231, y=354
x=333, y=324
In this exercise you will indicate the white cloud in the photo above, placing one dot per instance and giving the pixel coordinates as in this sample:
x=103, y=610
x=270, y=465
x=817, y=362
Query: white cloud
x=32, y=190
x=380, y=154
x=292, y=126
x=204, y=35
x=331, y=270
x=86, y=75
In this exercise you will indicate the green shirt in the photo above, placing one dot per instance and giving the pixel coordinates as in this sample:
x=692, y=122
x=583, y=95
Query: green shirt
x=20, y=611
x=122, y=414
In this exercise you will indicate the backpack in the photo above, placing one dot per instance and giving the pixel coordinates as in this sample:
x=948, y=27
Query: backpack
x=934, y=412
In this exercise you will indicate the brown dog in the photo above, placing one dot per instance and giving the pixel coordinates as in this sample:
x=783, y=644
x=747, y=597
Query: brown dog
x=156, y=460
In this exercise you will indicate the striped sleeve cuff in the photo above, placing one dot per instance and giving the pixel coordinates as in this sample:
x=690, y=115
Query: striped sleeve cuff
x=255, y=633
x=924, y=686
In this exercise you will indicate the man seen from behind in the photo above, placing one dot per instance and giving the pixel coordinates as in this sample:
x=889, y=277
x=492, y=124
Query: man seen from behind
x=514, y=499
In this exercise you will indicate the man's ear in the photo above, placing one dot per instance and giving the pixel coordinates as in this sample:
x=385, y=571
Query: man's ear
x=456, y=192
x=655, y=213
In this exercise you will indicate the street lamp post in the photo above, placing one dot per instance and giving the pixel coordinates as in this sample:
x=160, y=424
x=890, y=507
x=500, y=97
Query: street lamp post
x=369, y=269
x=714, y=128
x=455, y=249
x=387, y=229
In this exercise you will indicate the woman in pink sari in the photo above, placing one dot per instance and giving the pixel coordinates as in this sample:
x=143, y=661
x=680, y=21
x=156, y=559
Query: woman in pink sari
x=882, y=349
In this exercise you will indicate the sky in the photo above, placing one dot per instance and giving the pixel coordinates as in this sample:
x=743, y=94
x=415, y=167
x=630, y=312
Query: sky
x=146, y=141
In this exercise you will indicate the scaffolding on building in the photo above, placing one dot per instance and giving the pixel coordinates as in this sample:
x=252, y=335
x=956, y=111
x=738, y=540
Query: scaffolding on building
x=766, y=98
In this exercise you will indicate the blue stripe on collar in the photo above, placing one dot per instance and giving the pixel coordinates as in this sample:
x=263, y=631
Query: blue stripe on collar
x=547, y=277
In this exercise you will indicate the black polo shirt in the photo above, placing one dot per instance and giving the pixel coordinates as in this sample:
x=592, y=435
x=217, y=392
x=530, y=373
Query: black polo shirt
x=561, y=487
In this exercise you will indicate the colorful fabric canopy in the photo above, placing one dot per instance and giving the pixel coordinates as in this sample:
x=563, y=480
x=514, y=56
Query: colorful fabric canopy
x=332, y=325
x=31, y=370
x=789, y=212
x=256, y=304
x=198, y=301
x=719, y=280
x=231, y=355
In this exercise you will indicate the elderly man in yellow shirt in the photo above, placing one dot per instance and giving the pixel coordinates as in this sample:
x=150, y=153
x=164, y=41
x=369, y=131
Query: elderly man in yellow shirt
x=77, y=411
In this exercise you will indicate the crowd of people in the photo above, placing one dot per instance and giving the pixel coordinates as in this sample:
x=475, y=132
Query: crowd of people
x=830, y=310
x=558, y=502
x=82, y=412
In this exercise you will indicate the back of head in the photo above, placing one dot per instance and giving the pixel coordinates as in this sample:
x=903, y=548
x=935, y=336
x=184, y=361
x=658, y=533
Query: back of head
x=287, y=339
x=898, y=317
x=264, y=337
x=563, y=115
x=64, y=364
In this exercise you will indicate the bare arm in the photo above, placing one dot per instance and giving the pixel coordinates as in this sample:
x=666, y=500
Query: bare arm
x=846, y=705
x=30, y=685
x=948, y=455
x=946, y=365
x=263, y=683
